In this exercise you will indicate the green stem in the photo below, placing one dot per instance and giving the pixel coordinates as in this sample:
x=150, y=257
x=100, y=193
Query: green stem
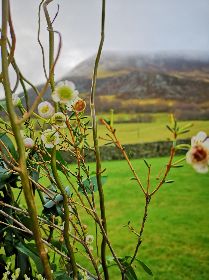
x=51, y=42
x=147, y=201
x=21, y=149
x=66, y=214
x=96, y=146
x=53, y=155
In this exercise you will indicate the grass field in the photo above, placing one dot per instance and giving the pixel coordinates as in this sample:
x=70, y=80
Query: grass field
x=130, y=133
x=142, y=132
x=176, y=238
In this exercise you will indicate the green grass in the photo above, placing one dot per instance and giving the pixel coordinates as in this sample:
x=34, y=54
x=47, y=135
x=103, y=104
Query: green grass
x=131, y=133
x=176, y=238
x=142, y=132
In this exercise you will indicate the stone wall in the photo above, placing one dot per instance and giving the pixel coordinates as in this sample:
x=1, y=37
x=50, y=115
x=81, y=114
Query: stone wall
x=134, y=151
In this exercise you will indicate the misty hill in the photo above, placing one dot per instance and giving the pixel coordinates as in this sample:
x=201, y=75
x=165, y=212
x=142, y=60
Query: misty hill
x=142, y=82
x=163, y=62
x=147, y=76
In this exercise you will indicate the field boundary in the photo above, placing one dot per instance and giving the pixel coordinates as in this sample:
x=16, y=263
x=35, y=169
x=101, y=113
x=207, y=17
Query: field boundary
x=135, y=151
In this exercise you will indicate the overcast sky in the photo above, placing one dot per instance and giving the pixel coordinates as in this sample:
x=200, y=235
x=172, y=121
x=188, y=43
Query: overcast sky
x=131, y=25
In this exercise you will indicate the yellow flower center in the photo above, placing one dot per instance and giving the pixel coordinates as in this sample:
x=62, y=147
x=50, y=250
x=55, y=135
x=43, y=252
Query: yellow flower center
x=65, y=93
x=50, y=137
x=45, y=109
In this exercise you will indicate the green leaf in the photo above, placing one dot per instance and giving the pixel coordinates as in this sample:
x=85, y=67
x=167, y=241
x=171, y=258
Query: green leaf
x=30, y=250
x=2, y=263
x=183, y=147
x=59, y=210
x=62, y=275
x=147, y=164
x=90, y=184
x=22, y=261
x=169, y=128
x=35, y=175
x=169, y=181
x=58, y=156
x=59, y=245
x=26, y=221
x=8, y=143
x=4, y=176
x=3, y=105
x=49, y=204
x=133, y=179
x=57, y=198
x=176, y=166
x=130, y=274
x=145, y=267
x=8, y=244
x=184, y=131
x=185, y=127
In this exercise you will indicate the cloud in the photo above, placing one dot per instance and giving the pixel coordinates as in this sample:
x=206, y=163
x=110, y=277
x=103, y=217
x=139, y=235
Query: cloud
x=134, y=25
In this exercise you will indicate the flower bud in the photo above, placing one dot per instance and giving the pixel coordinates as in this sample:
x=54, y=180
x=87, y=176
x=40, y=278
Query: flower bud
x=28, y=143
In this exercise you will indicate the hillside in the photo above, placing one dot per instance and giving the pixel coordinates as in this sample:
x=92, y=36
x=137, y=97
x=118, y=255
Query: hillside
x=145, y=83
x=147, y=76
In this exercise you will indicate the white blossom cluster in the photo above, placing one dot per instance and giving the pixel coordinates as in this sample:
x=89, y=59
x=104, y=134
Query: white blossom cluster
x=198, y=155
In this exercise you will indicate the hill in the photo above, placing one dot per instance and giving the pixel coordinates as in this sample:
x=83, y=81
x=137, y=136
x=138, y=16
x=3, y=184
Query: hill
x=147, y=76
x=146, y=83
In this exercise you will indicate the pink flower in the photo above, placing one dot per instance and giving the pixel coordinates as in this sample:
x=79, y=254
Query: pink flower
x=28, y=143
x=198, y=155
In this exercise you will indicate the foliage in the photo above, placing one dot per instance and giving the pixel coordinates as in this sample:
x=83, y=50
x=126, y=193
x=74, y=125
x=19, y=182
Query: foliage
x=53, y=236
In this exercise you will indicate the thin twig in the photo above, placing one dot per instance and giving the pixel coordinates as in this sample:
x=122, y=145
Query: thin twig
x=96, y=145
x=39, y=41
x=42, y=92
x=121, y=148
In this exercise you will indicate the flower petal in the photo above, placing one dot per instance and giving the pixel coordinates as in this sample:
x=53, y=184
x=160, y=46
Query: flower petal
x=189, y=157
x=69, y=84
x=55, y=97
x=201, y=168
x=49, y=145
x=201, y=136
x=206, y=143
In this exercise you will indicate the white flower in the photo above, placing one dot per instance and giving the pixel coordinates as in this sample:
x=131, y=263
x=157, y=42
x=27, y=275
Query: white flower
x=59, y=120
x=89, y=239
x=46, y=110
x=77, y=105
x=198, y=155
x=16, y=99
x=50, y=138
x=65, y=92
x=28, y=142
x=84, y=275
